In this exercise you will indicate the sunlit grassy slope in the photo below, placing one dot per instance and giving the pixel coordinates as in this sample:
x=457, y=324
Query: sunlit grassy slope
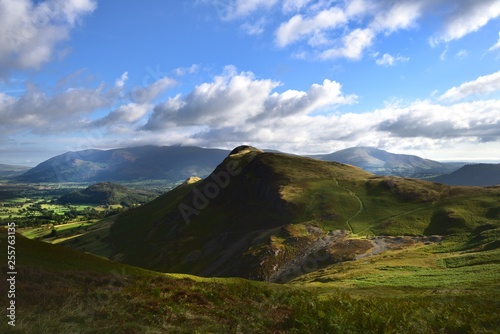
x=422, y=290
x=278, y=202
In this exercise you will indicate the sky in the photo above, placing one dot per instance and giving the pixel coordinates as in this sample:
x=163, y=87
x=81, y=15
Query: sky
x=301, y=76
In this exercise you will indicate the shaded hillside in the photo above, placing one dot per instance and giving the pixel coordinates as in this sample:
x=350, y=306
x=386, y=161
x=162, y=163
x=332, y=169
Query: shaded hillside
x=382, y=162
x=172, y=163
x=259, y=215
x=8, y=171
x=105, y=193
x=472, y=175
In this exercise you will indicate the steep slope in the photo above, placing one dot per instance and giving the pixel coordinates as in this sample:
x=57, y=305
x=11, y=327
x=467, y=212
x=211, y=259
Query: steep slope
x=384, y=163
x=472, y=175
x=260, y=215
x=105, y=193
x=171, y=163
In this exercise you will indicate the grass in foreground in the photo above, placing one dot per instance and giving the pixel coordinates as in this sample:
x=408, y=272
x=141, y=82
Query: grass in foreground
x=63, y=291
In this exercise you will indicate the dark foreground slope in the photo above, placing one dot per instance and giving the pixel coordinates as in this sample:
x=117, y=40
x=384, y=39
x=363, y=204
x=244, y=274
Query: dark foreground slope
x=260, y=215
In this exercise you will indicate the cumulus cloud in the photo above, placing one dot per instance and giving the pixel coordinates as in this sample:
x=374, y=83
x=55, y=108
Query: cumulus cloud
x=389, y=60
x=237, y=108
x=464, y=18
x=128, y=113
x=38, y=112
x=353, y=45
x=422, y=125
x=330, y=27
x=234, y=98
x=423, y=119
x=146, y=94
x=298, y=26
x=483, y=85
x=31, y=31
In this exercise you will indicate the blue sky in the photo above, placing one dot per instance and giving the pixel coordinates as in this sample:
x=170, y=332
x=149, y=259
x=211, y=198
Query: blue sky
x=302, y=76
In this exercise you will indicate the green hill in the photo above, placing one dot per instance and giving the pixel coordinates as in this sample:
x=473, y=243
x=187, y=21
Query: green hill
x=260, y=215
x=106, y=193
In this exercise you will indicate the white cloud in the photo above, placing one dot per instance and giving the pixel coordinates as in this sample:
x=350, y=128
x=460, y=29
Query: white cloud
x=496, y=46
x=465, y=17
x=255, y=28
x=298, y=26
x=38, y=112
x=120, y=82
x=294, y=5
x=462, y=54
x=481, y=86
x=31, y=31
x=180, y=71
x=148, y=93
x=128, y=113
x=235, y=98
x=234, y=9
x=401, y=15
x=388, y=60
x=353, y=45
x=328, y=27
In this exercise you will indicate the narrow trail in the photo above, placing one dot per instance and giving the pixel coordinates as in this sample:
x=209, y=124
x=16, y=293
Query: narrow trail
x=361, y=208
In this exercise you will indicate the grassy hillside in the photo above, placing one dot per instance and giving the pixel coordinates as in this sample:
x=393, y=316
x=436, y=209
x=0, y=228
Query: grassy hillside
x=259, y=213
x=422, y=290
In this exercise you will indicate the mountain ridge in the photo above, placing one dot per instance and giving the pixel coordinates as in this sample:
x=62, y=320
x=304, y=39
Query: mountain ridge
x=257, y=212
x=381, y=162
x=173, y=163
x=176, y=163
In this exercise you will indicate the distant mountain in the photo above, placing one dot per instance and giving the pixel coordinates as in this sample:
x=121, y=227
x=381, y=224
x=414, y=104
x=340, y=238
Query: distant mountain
x=472, y=175
x=267, y=216
x=105, y=193
x=172, y=163
x=382, y=162
x=8, y=171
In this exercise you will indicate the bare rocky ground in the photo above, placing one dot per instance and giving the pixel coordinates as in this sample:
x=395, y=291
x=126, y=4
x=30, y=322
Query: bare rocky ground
x=337, y=246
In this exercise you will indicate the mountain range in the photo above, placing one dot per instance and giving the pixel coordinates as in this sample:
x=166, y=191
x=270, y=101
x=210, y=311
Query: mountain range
x=172, y=163
x=264, y=216
x=381, y=162
x=354, y=251
x=176, y=163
